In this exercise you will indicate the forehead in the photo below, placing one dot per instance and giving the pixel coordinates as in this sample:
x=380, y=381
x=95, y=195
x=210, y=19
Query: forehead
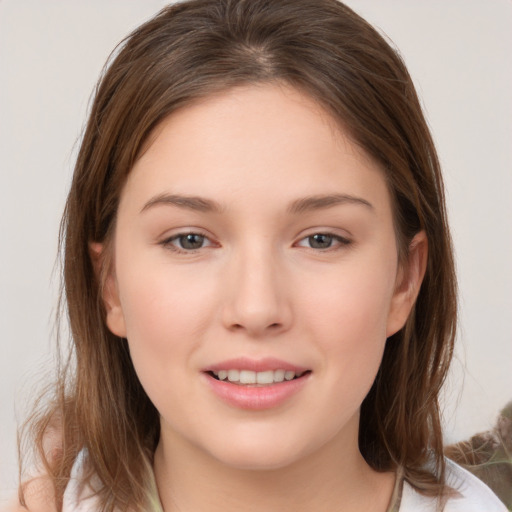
x=265, y=139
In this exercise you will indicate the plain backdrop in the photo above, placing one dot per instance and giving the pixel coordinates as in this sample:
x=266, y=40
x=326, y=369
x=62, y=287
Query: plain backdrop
x=458, y=52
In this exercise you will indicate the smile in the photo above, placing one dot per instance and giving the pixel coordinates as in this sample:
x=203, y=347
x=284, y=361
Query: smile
x=256, y=385
x=249, y=377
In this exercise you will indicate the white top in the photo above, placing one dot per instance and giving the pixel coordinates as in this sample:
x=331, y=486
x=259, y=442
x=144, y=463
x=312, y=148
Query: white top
x=475, y=496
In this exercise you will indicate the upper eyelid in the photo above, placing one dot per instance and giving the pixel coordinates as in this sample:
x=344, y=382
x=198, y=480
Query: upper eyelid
x=344, y=240
x=179, y=235
x=168, y=241
x=175, y=233
x=334, y=232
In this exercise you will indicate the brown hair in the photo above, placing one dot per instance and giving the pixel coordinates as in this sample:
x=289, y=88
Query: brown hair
x=191, y=50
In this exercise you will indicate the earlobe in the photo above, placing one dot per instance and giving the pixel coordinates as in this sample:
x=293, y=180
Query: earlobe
x=408, y=283
x=109, y=290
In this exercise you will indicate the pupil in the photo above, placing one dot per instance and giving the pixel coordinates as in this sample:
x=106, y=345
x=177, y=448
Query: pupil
x=191, y=241
x=320, y=241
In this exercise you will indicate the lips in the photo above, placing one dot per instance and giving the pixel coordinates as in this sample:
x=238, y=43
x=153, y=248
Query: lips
x=255, y=384
x=255, y=365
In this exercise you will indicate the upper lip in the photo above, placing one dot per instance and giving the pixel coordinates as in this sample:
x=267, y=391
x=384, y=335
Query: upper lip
x=255, y=365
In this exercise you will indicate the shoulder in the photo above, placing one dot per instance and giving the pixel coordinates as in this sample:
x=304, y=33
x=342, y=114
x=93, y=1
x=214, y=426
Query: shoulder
x=39, y=493
x=80, y=496
x=473, y=495
x=39, y=497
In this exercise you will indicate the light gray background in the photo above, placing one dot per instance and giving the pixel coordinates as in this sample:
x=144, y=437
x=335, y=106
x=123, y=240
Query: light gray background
x=458, y=52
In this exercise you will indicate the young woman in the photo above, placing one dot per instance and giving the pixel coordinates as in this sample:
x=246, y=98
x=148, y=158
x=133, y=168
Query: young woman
x=258, y=276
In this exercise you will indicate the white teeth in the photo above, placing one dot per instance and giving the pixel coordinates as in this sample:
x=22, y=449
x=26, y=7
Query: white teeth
x=265, y=377
x=250, y=377
x=279, y=375
x=247, y=377
x=233, y=375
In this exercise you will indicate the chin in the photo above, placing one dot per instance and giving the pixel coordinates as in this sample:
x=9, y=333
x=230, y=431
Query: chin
x=260, y=455
x=244, y=461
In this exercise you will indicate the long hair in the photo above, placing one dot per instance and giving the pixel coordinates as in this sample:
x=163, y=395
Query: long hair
x=189, y=51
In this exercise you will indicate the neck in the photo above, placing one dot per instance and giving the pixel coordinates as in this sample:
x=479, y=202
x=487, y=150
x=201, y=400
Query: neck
x=335, y=477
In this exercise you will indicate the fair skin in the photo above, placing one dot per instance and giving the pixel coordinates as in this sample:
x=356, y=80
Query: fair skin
x=289, y=253
x=284, y=258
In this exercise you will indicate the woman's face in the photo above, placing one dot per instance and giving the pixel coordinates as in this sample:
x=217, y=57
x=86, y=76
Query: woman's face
x=255, y=244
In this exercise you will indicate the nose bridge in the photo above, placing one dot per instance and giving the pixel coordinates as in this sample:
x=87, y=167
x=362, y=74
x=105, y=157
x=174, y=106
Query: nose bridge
x=256, y=300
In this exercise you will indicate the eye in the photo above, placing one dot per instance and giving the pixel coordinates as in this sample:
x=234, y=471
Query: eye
x=323, y=241
x=187, y=242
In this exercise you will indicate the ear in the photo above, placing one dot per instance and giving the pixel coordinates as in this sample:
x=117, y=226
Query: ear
x=109, y=289
x=408, y=283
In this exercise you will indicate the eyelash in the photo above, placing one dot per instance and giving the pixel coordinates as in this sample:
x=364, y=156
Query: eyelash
x=341, y=241
x=169, y=242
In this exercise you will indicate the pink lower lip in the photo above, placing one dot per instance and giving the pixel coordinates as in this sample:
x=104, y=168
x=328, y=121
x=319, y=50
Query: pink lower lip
x=253, y=397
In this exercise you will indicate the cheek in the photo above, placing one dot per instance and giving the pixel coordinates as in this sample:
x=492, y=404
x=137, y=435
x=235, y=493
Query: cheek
x=347, y=318
x=351, y=304
x=166, y=313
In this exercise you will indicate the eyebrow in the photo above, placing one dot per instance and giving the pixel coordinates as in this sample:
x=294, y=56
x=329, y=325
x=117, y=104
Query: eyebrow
x=304, y=204
x=196, y=203
x=319, y=202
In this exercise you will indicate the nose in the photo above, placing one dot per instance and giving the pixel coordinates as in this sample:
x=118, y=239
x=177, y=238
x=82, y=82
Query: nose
x=256, y=296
